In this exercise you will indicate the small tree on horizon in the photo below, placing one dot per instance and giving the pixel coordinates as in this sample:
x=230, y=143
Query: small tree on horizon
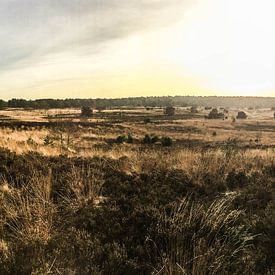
x=214, y=114
x=86, y=111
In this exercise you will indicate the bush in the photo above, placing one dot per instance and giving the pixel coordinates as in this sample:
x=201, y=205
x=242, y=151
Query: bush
x=130, y=139
x=236, y=180
x=169, y=111
x=86, y=111
x=147, y=139
x=214, y=114
x=166, y=141
x=241, y=115
x=147, y=120
x=121, y=139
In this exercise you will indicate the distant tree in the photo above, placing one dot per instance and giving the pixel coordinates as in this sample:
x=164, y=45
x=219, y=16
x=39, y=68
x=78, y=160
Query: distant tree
x=3, y=104
x=169, y=111
x=241, y=115
x=214, y=114
x=161, y=101
x=86, y=111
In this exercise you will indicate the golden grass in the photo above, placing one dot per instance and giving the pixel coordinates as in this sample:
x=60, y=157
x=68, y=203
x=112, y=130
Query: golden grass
x=88, y=142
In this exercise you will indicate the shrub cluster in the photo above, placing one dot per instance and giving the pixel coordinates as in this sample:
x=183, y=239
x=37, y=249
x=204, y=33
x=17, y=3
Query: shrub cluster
x=165, y=141
x=148, y=139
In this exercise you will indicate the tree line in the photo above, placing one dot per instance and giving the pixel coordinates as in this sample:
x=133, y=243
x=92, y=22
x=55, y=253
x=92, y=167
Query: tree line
x=156, y=101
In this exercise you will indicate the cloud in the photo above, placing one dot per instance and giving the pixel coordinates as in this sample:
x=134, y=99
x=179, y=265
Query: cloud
x=31, y=29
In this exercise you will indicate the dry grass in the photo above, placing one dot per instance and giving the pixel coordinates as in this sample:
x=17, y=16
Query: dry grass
x=194, y=238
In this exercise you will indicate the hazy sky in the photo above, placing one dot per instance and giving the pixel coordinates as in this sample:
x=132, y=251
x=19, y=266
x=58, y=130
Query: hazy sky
x=118, y=48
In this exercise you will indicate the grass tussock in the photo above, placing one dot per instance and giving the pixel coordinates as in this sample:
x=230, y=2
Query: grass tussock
x=199, y=239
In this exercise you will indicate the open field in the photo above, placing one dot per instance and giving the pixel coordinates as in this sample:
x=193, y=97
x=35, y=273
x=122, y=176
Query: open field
x=19, y=127
x=134, y=191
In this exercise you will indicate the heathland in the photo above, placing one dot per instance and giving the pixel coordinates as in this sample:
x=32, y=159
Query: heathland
x=137, y=190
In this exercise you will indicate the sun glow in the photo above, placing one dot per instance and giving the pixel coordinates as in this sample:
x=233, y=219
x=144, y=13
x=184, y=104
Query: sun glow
x=227, y=46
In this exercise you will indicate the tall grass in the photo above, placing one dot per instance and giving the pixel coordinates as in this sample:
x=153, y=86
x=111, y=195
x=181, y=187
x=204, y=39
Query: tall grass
x=32, y=216
x=197, y=239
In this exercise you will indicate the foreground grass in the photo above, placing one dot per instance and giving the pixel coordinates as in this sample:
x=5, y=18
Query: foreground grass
x=139, y=212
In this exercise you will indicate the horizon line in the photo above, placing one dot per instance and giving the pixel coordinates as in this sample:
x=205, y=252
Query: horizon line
x=109, y=98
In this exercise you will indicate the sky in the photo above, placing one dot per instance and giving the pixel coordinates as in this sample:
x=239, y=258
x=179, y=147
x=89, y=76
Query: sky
x=121, y=48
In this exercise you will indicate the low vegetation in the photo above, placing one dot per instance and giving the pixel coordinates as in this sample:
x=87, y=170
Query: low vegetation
x=150, y=213
x=111, y=194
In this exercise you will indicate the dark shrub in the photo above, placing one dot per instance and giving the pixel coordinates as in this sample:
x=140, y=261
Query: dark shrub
x=147, y=120
x=241, y=115
x=214, y=114
x=86, y=111
x=166, y=141
x=169, y=111
x=121, y=139
x=236, y=179
x=130, y=139
x=147, y=139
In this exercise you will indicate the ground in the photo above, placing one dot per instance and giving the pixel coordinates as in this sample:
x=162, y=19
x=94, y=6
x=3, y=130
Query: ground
x=98, y=196
x=94, y=135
